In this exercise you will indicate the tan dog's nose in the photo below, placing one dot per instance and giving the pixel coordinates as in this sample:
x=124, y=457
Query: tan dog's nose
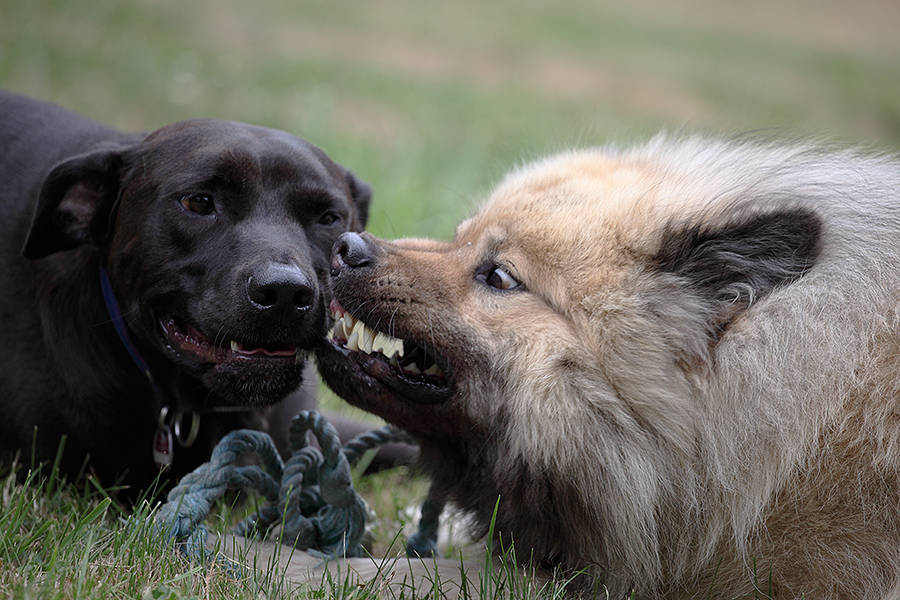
x=350, y=250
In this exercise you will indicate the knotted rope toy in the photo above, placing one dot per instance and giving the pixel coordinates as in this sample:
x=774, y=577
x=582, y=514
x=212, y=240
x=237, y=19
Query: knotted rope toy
x=311, y=496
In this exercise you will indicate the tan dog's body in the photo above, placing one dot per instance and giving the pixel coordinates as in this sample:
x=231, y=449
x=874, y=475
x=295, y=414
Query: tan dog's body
x=677, y=366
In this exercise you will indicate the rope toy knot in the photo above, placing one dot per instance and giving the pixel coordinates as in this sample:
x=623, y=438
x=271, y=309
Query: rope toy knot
x=311, y=496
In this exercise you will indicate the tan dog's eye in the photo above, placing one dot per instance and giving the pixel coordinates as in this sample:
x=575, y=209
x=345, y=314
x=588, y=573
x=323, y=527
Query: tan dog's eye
x=199, y=203
x=499, y=278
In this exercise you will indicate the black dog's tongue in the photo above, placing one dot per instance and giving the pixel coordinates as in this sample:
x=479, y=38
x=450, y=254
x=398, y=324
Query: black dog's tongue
x=188, y=340
x=239, y=349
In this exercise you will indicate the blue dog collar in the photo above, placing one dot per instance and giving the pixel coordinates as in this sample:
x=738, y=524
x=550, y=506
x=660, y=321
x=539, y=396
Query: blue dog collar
x=163, y=447
x=115, y=313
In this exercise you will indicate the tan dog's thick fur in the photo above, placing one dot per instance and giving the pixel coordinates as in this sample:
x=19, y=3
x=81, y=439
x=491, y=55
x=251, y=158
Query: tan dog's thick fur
x=677, y=366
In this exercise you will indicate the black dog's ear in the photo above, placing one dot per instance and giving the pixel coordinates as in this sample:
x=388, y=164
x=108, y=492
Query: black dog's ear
x=734, y=265
x=361, y=193
x=76, y=203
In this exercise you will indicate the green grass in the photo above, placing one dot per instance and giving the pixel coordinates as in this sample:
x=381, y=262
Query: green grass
x=59, y=542
x=56, y=542
x=431, y=102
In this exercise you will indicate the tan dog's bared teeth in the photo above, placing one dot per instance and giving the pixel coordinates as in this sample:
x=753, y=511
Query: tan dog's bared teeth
x=387, y=345
x=367, y=337
x=353, y=342
x=380, y=342
x=362, y=338
x=357, y=335
x=412, y=368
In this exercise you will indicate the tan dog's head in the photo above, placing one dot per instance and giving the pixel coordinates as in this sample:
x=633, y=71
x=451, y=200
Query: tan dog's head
x=588, y=271
x=551, y=352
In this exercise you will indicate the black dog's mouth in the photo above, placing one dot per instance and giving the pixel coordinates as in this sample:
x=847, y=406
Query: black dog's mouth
x=407, y=367
x=187, y=340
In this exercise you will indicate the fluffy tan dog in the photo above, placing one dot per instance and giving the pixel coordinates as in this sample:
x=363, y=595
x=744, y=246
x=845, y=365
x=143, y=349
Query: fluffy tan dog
x=677, y=366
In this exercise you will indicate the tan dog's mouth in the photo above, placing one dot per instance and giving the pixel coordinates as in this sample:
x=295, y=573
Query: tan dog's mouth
x=407, y=367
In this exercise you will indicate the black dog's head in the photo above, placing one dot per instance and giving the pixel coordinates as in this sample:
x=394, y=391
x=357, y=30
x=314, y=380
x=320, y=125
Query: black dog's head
x=216, y=237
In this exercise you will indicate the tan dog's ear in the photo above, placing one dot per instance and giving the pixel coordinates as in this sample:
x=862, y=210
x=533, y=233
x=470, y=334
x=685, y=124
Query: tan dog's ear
x=361, y=193
x=76, y=203
x=734, y=265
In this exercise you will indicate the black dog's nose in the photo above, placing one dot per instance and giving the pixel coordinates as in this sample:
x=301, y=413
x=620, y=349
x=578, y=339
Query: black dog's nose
x=350, y=250
x=280, y=287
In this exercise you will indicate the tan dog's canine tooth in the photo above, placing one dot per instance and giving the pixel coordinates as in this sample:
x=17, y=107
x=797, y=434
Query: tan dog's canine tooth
x=368, y=336
x=411, y=368
x=353, y=341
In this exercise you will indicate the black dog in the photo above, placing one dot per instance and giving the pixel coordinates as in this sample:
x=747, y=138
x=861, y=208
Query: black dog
x=151, y=283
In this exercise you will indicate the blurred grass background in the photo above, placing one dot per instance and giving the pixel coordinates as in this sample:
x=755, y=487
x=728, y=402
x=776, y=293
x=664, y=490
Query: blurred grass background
x=432, y=102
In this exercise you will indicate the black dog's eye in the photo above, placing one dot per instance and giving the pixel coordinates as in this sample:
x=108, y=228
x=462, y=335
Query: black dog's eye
x=498, y=277
x=198, y=203
x=329, y=219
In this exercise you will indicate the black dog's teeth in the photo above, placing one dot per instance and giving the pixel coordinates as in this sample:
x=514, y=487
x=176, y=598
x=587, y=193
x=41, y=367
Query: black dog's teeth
x=353, y=334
